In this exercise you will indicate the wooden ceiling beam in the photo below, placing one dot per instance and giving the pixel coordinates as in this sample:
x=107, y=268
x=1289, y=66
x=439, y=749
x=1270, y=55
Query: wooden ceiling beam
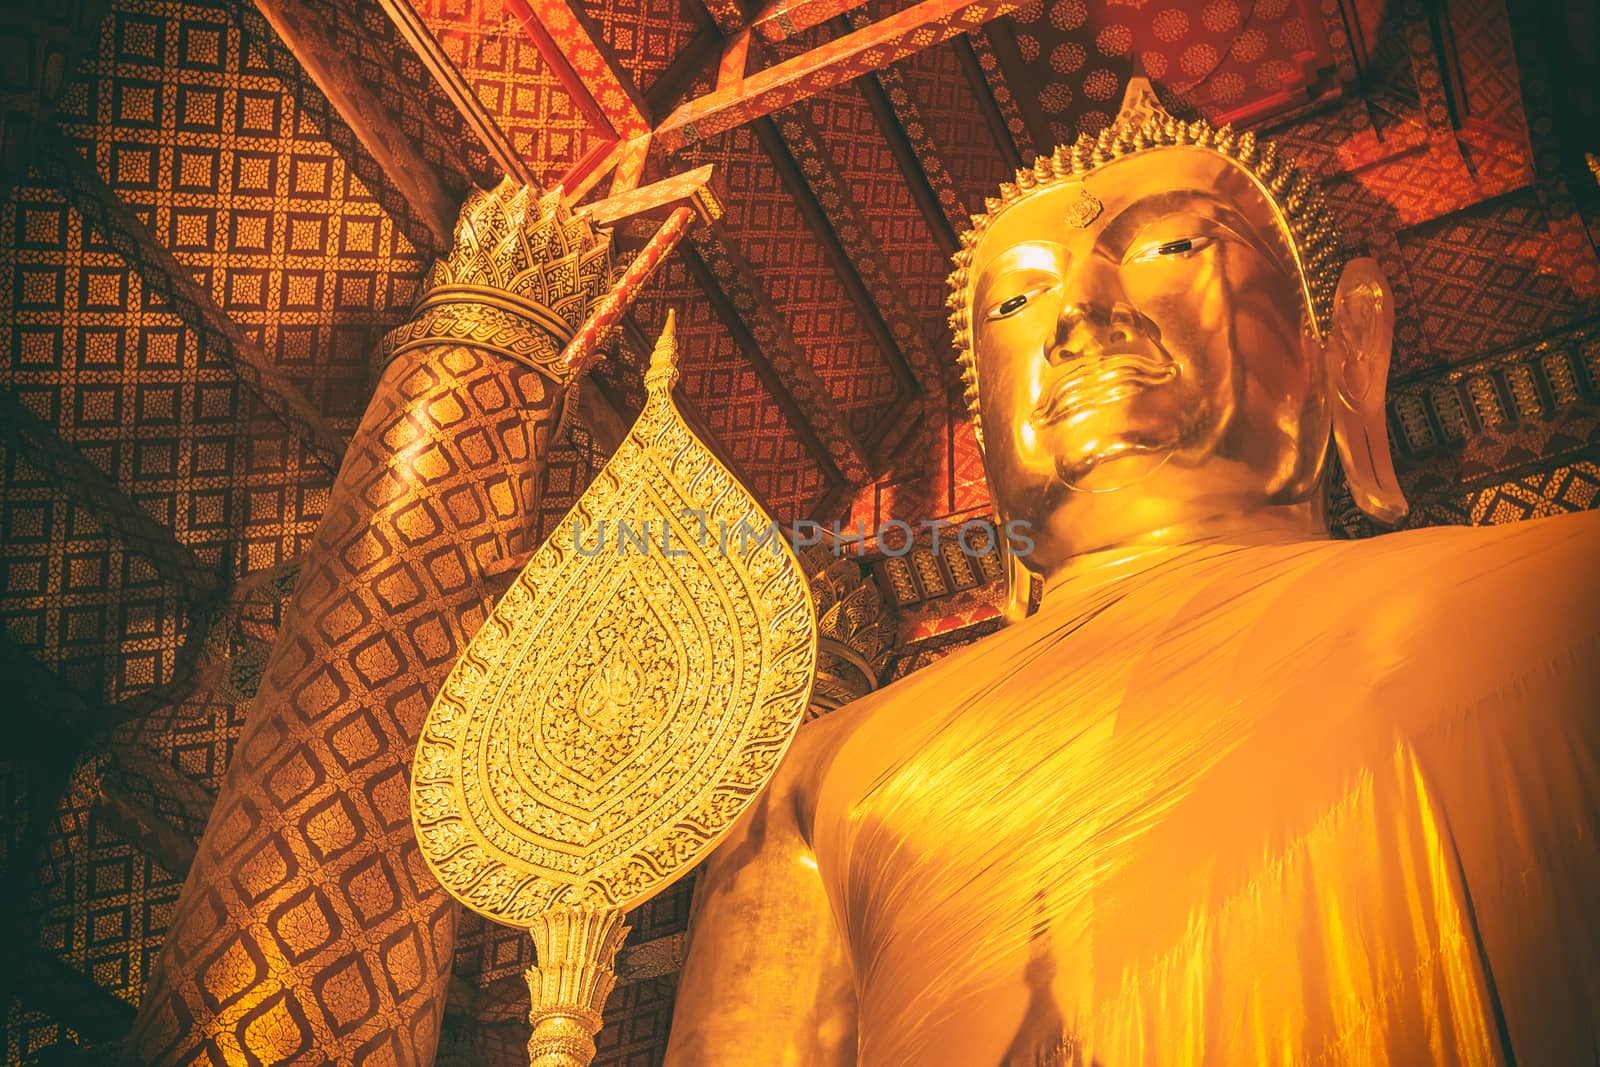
x=688, y=63
x=47, y=983
x=161, y=272
x=1001, y=59
x=816, y=180
x=997, y=85
x=763, y=335
x=144, y=828
x=806, y=167
x=455, y=89
x=868, y=48
x=578, y=52
x=932, y=192
x=194, y=801
x=119, y=513
x=729, y=16
x=134, y=770
x=987, y=105
x=902, y=125
x=311, y=40
x=778, y=20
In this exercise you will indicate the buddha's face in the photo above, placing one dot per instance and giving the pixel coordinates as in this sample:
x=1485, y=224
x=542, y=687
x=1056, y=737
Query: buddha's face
x=1149, y=364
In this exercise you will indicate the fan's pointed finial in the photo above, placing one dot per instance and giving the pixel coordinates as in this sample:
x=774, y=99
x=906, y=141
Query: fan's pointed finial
x=663, y=371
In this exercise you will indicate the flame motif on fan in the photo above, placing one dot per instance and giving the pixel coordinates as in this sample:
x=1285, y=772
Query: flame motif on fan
x=620, y=708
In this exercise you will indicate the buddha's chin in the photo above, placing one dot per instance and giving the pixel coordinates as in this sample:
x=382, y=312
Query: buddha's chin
x=1112, y=465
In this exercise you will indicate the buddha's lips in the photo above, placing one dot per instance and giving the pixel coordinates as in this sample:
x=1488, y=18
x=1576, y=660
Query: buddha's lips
x=1101, y=379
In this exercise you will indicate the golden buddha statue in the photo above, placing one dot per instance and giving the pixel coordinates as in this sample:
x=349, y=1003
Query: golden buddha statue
x=1237, y=793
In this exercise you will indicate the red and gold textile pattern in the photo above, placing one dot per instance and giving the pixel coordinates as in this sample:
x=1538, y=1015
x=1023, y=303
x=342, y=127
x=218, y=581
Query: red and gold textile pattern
x=309, y=930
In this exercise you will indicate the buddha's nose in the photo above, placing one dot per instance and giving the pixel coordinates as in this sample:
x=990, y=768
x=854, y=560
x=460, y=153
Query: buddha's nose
x=1085, y=329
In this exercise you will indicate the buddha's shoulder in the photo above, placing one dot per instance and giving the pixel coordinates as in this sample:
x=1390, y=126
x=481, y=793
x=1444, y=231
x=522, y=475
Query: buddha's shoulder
x=1451, y=568
x=1468, y=600
x=867, y=727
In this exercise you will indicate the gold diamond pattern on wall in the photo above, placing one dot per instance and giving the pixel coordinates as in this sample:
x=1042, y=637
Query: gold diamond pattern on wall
x=99, y=358
x=185, y=120
x=70, y=594
x=1536, y=496
x=30, y=1032
x=76, y=599
x=105, y=903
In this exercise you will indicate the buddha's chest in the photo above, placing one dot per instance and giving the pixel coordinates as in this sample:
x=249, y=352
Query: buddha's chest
x=1018, y=853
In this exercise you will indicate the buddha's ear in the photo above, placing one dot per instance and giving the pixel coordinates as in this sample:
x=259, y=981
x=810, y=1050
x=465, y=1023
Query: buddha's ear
x=1358, y=373
x=1019, y=586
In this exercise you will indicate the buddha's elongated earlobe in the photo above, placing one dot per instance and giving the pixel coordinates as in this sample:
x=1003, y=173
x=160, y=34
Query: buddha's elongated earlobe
x=1358, y=372
x=1019, y=586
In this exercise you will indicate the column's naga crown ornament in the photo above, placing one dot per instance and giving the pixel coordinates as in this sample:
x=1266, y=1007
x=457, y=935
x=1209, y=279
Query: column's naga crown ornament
x=1143, y=124
x=521, y=279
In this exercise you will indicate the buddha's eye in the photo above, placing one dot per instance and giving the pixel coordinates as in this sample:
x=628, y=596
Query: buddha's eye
x=1013, y=304
x=1175, y=249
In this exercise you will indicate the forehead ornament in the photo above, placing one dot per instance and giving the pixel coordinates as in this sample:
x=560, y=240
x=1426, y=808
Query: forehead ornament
x=1143, y=124
x=1082, y=211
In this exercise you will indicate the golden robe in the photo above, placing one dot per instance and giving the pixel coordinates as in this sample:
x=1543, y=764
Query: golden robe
x=1317, y=802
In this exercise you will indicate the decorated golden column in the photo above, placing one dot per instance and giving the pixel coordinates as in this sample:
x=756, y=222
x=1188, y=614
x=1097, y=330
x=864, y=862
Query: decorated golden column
x=309, y=930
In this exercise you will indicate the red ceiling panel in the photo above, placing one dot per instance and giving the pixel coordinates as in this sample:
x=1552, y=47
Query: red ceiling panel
x=1481, y=280
x=188, y=126
x=899, y=227
x=956, y=124
x=799, y=274
x=722, y=383
x=1232, y=59
x=516, y=85
x=646, y=35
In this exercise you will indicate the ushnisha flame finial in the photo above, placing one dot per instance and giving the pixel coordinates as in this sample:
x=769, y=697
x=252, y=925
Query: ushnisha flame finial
x=1143, y=124
x=662, y=373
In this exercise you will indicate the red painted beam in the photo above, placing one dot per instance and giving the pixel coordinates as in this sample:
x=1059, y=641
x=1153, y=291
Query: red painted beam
x=727, y=14
x=658, y=200
x=867, y=49
x=585, y=65
x=584, y=348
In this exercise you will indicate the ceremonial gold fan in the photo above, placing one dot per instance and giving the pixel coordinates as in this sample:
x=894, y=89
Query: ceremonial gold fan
x=624, y=703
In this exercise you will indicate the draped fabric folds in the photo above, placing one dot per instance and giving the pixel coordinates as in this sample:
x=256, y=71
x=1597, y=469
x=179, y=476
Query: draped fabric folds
x=1331, y=802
